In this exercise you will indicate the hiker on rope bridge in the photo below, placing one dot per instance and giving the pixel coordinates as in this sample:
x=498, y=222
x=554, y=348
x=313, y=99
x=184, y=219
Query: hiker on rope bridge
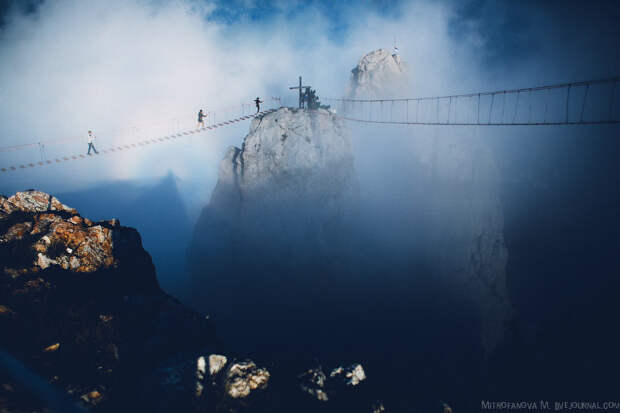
x=201, y=118
x=258, y=102
x=91, y=142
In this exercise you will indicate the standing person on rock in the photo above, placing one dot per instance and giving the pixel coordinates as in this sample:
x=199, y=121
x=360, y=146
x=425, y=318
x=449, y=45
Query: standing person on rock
x=258, y=102
x=91, y=143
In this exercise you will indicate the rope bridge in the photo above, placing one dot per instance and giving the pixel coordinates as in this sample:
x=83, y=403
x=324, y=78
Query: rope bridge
x=578, y=103
x=122, y=147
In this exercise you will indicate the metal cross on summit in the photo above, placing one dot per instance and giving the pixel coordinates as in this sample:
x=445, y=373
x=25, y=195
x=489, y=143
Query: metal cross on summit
x=300, y=87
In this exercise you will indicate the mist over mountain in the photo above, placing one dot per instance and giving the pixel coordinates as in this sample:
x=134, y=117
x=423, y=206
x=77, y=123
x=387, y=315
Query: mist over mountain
x=297, y=255
x=433, y=243
x=560, y=232
x=453, y=193
x=339, y=257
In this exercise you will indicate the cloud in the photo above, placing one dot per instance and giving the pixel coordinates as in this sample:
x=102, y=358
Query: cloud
x=138, y=69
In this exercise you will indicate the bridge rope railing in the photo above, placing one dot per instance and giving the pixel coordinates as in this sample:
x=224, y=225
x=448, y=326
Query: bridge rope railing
x=175, y=124
x=577, y=103
x=124, y=146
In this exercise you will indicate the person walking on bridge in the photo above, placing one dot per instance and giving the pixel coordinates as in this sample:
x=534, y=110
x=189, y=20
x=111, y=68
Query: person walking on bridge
x=258, y=102
x=201, y=118
x=91, y=142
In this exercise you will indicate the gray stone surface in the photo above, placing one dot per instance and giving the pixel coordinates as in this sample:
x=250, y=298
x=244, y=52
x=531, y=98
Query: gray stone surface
x=379, y=73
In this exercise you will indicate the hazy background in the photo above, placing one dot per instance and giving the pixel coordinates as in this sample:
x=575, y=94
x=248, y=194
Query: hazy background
x=136, y=69
x=139, y=69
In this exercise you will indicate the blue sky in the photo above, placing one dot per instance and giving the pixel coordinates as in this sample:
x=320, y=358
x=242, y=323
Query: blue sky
x=511, y=29
x=263, y=11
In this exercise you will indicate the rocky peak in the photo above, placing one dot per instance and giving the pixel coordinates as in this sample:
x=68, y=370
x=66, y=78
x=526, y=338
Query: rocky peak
x=82, y=307
x=292, y=163
x=286, y=197
x=290, y=152
x=32, y=201
x=377, y=74
x=38, y=232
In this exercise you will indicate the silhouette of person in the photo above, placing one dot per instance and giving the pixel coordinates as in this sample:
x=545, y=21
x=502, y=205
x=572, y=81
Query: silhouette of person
x=258, y=102
x=201, y=118
x=91, y=142
x=306, y=99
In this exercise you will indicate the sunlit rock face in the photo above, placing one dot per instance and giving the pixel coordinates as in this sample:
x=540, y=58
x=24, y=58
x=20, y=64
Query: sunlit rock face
x=282, y=201
x=464, y=236
x=39, y=233
x=378, y=74
x=244, y=377
x=81, y=306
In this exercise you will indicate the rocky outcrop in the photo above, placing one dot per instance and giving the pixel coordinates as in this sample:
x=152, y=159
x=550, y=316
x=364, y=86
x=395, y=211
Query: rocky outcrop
x=291, y=162
x=242, y=378
x=234, y=386
x=82, y=307
x=40, y=233
x=378, y=74
x=286, y=197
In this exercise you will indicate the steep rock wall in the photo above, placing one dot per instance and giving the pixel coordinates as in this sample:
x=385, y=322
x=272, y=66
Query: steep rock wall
x=276, y=232
x=464, y=235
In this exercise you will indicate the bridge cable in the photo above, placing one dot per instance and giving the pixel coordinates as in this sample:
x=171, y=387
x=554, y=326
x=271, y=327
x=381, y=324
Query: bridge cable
x=133, y=145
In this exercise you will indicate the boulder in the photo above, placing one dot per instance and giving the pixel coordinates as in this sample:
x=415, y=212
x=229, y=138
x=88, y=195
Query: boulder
x=216, y=363
x=340, y=381
x=242, y=378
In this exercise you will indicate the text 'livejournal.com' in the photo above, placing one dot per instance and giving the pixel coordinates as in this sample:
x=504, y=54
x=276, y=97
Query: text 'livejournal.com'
x=548, y=405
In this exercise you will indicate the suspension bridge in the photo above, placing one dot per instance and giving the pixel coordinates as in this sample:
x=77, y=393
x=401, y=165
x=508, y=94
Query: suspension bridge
x=578, y=103
x=592, y=102
x=44, y=160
